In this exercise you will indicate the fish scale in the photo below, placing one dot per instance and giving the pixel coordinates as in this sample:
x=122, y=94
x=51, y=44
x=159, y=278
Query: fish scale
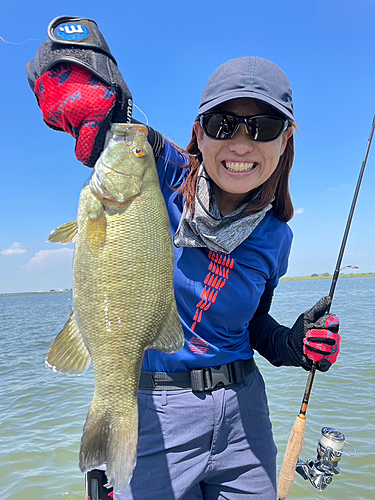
x=123, y=296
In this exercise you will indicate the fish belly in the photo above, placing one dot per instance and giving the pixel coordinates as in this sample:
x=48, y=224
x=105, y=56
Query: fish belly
x=122, y=291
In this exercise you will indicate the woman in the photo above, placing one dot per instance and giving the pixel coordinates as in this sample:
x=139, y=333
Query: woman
x=204, y=427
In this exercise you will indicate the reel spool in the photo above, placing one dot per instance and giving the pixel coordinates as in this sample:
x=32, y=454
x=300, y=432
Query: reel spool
x=329, y=452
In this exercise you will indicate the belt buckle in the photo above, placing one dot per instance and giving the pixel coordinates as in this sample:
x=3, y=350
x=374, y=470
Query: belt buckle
x=217, y=375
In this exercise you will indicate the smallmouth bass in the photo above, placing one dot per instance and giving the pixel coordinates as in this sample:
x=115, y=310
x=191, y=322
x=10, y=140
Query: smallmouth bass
x=123, y=296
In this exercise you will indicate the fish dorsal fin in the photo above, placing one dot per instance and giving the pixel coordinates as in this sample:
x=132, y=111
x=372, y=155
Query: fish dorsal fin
x=64, y=234
x=170, y=337
x=69, y=354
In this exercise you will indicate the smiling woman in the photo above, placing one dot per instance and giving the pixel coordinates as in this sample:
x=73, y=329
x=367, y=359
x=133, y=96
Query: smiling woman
x=256, y=122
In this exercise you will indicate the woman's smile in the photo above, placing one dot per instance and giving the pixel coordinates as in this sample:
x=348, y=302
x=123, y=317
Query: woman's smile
x=239, y=167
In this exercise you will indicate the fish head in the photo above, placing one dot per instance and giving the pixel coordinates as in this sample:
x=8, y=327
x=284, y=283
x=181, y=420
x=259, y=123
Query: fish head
x=121, y=170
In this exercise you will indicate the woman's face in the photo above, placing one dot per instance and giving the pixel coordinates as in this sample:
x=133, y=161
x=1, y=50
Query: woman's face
x=239, y=165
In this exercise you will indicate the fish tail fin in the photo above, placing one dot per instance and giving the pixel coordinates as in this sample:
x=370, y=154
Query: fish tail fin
x=122, y=454
x=93, y=451
x=111, y=440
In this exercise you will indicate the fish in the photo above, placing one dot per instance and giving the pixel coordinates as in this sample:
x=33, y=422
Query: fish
x=123, y=296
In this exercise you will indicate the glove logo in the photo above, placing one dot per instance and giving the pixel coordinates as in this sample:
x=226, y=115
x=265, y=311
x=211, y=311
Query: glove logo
x=71, y=31
x=332, y=321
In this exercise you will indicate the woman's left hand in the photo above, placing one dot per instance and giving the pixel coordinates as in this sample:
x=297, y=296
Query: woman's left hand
x=314, y=337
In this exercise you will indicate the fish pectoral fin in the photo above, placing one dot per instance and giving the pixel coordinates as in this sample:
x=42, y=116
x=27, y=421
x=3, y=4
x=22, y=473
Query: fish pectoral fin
x=170, y=337
x=96, y=229
x=69, y=354
x=64, y=234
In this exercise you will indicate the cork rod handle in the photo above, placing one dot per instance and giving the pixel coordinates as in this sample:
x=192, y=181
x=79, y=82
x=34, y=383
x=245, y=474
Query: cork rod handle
x=292, y=453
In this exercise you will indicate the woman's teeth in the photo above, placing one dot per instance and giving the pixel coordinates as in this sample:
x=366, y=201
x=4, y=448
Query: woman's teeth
x=239, y=167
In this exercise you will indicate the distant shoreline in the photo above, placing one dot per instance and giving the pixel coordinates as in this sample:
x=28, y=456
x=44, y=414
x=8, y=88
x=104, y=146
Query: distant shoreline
x=329, y=277
x=34, y=293
x=296, y=278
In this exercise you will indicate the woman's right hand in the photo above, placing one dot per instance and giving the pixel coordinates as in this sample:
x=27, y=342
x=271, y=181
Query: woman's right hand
x=78, y=85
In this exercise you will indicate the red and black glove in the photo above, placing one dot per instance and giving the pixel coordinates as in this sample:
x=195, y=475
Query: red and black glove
x=74, y=100
x=314, y=337
x=78, y=85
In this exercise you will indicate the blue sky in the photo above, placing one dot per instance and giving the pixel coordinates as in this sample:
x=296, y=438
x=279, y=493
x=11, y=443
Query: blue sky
x=166, y=52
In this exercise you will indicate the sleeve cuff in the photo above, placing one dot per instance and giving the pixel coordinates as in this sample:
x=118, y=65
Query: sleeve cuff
x=285, y=350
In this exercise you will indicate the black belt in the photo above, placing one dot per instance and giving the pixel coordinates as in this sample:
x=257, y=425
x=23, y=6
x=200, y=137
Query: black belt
x=204, y=379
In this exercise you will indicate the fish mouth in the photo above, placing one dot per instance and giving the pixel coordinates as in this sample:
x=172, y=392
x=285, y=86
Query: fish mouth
x=239, y=166
x=104, y=186
x=96, y=184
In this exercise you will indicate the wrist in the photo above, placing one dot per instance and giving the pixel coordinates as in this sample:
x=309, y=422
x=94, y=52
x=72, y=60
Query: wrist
x=286, y=351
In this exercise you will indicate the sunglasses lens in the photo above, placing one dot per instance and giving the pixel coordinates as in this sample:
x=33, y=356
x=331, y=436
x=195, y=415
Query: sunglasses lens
x=265, y=128
x=221, y=126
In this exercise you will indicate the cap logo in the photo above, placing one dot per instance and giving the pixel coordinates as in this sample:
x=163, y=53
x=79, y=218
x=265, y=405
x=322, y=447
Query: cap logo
x=71, y=31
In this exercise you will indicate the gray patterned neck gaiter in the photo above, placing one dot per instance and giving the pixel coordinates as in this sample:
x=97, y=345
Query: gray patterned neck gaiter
x=208, y=228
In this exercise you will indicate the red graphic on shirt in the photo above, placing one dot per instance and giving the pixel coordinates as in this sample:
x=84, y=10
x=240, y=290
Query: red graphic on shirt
x=198, y=346
x=218, y=273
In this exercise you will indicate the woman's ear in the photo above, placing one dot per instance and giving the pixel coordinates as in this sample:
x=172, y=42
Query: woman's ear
x=285, y=138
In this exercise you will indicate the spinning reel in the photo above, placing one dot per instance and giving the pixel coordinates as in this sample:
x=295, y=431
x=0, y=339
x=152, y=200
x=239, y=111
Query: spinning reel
x=329, y=452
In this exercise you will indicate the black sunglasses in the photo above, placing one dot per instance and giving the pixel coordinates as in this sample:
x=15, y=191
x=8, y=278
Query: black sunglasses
x=261, y=128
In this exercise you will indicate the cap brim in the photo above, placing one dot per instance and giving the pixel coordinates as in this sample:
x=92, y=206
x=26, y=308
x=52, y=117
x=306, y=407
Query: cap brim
x=248, y=95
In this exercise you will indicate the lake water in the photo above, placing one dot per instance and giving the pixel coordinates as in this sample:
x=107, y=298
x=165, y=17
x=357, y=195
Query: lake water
x=42, y=413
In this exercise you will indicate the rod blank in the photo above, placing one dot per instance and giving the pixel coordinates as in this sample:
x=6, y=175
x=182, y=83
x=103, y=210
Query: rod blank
x=351, y=213
x=297, y=436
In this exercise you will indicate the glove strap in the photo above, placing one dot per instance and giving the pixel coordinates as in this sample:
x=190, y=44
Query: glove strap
x=78, y=31
x=72, y=33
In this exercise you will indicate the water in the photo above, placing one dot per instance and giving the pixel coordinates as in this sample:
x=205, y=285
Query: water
x=42, y=413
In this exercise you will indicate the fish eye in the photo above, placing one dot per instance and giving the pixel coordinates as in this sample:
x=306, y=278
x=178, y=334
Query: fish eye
x=138, y=152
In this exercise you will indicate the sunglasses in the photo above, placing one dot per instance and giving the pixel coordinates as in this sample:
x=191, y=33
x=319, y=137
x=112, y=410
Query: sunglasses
x=262, y=128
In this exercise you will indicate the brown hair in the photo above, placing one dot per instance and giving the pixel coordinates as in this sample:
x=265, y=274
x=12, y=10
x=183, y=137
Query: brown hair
x=276, y=186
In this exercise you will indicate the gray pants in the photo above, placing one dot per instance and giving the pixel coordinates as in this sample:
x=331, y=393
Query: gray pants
x=205, y=445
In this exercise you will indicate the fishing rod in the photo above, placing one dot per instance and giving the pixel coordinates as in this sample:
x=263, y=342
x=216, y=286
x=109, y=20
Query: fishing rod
x=330, y=446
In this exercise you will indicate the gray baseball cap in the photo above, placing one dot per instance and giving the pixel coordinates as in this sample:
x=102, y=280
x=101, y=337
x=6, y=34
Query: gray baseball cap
x=251, y=77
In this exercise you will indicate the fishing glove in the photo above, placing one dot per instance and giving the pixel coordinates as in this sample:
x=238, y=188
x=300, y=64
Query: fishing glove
x=78, y=85
x=314, y=337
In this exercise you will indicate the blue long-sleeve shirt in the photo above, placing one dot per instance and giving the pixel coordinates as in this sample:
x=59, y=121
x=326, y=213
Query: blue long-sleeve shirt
x=218, y=294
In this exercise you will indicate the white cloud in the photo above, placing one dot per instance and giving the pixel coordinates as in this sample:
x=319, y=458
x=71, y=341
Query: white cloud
x=46, y=270
x=14, y=249
x=299, y=211
x=44, y=260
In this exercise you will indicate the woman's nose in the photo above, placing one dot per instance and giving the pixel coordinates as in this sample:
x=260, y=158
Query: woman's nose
x=241, y=143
